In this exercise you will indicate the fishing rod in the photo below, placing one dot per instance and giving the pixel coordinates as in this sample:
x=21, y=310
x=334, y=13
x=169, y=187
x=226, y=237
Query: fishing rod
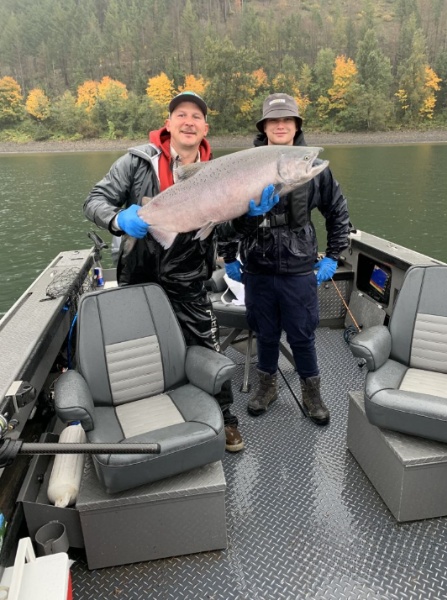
x=10, y=448
x=350, y=331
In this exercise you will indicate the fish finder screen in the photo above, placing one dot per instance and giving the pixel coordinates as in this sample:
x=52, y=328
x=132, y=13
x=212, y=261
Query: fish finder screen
x=379, y=279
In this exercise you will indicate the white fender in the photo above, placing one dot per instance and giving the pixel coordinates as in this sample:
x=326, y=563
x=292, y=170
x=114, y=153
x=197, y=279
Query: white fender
x=65, y=478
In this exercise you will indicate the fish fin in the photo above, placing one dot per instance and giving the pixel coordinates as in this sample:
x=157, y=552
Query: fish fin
x=164, y=237
x=145, y=200
x=278, y=189
x=188, y=171
x=205, y=231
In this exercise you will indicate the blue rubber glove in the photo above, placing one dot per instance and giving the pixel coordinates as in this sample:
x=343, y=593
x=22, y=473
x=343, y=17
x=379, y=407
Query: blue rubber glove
x=268, y=201
x=129, y=222
x=326, y=268
x=233, y=270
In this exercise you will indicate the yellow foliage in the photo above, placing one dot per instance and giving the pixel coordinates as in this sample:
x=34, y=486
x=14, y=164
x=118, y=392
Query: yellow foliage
x=112, y=89
x=323, y=108
x=194, y=84
x=160, y=89
x=302, y=100
x=402, y=97
x=280, y=83
x=344, y=71
x=10, y=99
x=431, y=86
x=87, y=95
x=38, y=105
x=260, y=78
x=432, y=81
x=289, y=85
x=10, y=86
x=344, y=74
x=428, y=107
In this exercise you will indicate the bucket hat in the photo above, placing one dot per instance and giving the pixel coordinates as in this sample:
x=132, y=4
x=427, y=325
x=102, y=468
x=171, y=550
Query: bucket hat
x=277, y=106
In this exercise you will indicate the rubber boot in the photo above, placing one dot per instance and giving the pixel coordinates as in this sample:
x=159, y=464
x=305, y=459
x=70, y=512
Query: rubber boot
x=316, y=409
x=265, y=393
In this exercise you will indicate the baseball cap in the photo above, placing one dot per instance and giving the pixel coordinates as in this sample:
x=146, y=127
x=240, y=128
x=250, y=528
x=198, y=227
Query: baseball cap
x=188, y=97
x=277, y=106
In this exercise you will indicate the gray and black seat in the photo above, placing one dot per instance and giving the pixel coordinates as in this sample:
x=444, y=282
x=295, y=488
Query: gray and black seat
x=137, y=382
x=406, y=383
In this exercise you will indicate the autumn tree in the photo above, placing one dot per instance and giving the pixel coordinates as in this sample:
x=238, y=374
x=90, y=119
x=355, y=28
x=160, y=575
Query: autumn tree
x=110, y=107
x=11, y=101
x=194, y=84
x=38, y=104
x=345, y=75
x=338, y=108
x=160, y=90
x=432, y=82
x=87, y=95
x=111, y=90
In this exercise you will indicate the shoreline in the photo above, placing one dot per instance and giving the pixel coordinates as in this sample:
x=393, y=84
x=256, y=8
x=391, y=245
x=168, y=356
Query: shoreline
x=438, y=136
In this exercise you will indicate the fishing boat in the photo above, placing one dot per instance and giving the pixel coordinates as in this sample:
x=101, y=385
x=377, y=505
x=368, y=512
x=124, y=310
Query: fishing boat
x=303, y=512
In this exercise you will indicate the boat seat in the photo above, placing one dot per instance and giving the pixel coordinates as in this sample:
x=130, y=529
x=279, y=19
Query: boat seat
x=137, y=382
x=406, y=384
x=233, y=317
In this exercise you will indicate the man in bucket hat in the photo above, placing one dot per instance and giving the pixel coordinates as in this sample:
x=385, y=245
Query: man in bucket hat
x=182, y=269
x=278, y=250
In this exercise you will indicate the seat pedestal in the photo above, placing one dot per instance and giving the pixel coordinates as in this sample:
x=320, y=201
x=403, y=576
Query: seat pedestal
x=408, y=472
x=181, y=515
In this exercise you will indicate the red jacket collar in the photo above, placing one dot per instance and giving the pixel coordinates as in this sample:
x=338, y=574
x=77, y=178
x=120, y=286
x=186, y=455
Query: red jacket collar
x=162, y=139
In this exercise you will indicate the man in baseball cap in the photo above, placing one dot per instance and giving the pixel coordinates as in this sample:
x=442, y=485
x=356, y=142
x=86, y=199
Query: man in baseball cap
x=188, y=97
x=114, y=203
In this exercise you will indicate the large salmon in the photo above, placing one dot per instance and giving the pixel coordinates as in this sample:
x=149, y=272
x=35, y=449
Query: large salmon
x=208, y=193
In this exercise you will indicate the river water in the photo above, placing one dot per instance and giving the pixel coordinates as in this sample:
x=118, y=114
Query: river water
x=396, y=192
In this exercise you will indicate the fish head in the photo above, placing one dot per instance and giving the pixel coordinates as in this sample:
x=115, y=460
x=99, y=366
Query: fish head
x=297, y=165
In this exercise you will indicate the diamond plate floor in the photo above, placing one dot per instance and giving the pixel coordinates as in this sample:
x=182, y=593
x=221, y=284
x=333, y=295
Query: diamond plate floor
x=303, y=521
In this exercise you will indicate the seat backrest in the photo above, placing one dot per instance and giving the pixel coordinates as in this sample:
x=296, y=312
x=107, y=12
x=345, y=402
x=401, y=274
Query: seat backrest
x=418, y=325
x=130, y=344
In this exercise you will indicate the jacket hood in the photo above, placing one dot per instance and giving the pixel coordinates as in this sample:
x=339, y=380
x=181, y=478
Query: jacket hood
x=162, y=139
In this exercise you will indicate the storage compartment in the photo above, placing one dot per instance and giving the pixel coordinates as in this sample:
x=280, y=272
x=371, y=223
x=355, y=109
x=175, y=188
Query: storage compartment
x=180, y=515
x=33, y=496
x=409, y=473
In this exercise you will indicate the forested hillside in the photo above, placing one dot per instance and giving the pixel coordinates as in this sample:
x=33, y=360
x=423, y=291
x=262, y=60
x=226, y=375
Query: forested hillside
x=88, y=68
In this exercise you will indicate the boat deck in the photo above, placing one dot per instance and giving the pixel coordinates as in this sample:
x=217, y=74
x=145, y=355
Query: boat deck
x=303, y=520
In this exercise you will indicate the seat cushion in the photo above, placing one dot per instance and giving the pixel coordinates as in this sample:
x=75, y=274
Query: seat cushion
x=146, y=415
x=186, y=422
x=425, y=382
x=412, y=401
